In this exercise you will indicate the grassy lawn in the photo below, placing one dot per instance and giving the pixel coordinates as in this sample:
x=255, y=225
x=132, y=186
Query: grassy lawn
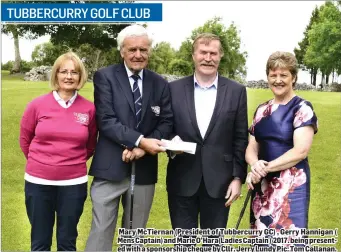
x=324, y=158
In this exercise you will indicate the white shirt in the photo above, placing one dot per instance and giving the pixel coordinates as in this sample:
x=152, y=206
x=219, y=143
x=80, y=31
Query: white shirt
x=63, y=103
x=204, y=99
x=139, y=83
x=131, y=80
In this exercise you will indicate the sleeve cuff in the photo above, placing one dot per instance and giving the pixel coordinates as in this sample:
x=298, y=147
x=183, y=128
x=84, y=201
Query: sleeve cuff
x=138, y=141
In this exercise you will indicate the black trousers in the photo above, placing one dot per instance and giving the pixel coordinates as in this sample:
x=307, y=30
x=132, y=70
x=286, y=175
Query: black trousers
x=185, y=211
x=43, y=203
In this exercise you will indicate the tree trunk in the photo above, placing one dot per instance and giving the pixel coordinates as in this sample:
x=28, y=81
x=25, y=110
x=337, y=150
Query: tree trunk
x=17, y=60
x=333, y=79
x=314, y=77
x=327, y=79
x=322, y=80
x=98, y=53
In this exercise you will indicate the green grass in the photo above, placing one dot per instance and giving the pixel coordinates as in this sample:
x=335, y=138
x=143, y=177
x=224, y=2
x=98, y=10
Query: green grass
x=324, y=158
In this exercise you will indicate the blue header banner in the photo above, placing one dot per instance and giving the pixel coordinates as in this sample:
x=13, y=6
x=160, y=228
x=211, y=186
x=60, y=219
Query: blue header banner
x=80, y=13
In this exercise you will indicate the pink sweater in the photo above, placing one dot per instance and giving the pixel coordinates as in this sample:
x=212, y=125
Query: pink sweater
x=58, y=141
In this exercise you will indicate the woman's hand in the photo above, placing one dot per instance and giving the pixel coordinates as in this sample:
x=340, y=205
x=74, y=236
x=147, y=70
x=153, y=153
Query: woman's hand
x=258, y=169
x=250, y=180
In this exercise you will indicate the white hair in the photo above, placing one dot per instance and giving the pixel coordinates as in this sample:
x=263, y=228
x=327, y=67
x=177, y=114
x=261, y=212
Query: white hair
x=130, y=31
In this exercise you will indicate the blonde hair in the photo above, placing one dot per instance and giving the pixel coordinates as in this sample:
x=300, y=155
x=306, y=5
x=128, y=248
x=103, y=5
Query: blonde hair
x=79, y=67
x=206, y=38
x=285, y=60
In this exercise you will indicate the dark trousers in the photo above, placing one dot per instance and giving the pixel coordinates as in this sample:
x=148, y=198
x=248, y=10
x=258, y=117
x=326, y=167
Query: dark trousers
x=43, y=203
x=184, y=211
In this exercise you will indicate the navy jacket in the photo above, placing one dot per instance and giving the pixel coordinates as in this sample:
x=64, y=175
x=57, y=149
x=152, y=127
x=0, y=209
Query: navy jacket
x=115, y=114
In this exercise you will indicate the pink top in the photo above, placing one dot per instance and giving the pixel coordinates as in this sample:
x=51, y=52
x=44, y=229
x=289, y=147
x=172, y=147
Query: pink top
x=58, y=141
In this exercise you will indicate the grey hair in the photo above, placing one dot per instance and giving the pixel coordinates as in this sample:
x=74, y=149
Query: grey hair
x=131, y=31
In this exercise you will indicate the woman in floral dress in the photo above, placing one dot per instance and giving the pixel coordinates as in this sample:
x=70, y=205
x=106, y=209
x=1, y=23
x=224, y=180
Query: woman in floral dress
x=281, y=135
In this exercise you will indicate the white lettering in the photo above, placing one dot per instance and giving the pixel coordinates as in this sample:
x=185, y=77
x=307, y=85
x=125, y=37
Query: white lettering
x=47, y=13
x=25, y=14
x=78, y=13
x=10, y=12
x=54, y=13
x=115, y=12
x=84, y=12
x=40, y=13
x=124, y=10
x=93, y=13
x=146, y=13
x=33, y=13
x=69, y=13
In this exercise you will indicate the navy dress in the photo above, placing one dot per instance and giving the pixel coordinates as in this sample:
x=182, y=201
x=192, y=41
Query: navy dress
x=281, y=199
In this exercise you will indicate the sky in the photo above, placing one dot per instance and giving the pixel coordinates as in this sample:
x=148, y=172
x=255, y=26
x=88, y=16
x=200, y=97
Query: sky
x=265, y=27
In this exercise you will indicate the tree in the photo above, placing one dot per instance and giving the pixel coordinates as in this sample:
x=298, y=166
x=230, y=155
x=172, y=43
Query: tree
x=185, y=52
x=7, y=66
x=233, y=62
x=303, y=45
x=93, y=61
x=161, y=56
x=180, y=67
x=100, y=36
x=47, y=53
x=26, y=31
x=324, y=49
x=17, y=31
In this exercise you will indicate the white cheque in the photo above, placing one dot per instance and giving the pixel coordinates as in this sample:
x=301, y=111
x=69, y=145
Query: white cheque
x=187, y=147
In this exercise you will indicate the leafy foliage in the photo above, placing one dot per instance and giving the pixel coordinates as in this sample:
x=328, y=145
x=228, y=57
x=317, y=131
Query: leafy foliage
x=161, y=56
x=101, y=36
x=180, y=67
x=7, y=66
x=233, y=62
x=324, y=49
x=320, y=49
x=46, y=53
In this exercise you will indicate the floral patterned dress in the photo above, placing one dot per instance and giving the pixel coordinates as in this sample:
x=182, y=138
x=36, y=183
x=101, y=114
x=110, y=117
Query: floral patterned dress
x=281, y=199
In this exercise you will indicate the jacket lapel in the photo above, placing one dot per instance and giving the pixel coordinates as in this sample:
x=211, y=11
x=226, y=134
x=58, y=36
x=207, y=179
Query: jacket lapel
x=189, y=93
x=147, y=84
x=123, y=79
x=221, y=94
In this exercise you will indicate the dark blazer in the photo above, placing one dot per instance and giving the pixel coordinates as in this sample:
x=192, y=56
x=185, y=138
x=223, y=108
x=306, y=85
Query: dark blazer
x=220, y=155
x=115, y=114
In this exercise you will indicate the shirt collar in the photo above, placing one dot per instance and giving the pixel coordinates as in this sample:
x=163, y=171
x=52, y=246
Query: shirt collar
x=58, y=98
x=214, y=83
x=130, y=73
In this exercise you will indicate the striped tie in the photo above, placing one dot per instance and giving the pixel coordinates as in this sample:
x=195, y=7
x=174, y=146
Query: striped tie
x=137, y=100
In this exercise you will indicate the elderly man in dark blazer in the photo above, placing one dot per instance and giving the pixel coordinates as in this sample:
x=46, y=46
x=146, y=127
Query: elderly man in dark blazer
x=211, y=111
x=133, y=111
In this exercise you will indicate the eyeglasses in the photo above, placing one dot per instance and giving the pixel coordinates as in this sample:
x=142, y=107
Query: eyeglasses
x=66, y=73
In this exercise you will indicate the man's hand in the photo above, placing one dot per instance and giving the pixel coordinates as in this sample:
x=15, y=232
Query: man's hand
x=136, y=153
x=152, y=146
x=233, y=192
x=128, y=156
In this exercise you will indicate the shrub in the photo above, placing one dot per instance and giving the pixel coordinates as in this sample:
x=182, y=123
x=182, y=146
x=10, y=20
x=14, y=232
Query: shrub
x=26, y=66
x=180, y=67
x=335, y=87
x=7, y=66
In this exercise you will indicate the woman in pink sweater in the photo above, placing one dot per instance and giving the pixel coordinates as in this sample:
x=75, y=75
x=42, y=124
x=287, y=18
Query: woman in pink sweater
x=58, y=135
